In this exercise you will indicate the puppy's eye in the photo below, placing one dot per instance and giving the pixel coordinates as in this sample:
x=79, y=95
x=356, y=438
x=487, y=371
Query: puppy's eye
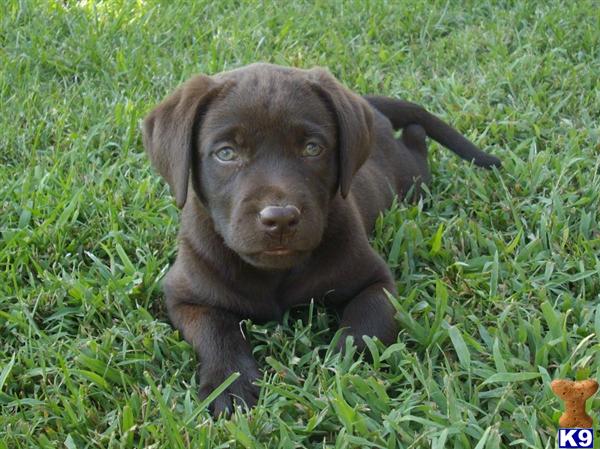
x=311, y=150
x=226, y=154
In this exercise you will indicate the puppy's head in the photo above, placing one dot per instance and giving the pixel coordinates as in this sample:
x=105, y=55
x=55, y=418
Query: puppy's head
x=266, y=149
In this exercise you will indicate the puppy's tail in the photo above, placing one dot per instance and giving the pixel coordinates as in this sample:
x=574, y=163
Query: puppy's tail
x=403, y=113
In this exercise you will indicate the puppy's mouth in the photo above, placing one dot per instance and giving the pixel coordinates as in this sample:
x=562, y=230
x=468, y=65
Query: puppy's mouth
x=278, y=258
x=279, y=251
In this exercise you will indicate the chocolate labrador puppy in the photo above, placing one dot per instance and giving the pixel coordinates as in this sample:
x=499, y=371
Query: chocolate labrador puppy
x=281, y=174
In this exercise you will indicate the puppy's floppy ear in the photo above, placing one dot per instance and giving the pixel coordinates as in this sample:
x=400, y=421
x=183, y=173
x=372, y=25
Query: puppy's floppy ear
x=168, y=131
x=354, y=121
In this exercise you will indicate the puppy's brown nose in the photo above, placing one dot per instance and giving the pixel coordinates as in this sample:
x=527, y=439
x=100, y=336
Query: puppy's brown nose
x=279, y=219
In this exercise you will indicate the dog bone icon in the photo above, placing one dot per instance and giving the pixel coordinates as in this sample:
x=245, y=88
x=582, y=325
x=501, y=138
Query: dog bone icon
x=574, y=394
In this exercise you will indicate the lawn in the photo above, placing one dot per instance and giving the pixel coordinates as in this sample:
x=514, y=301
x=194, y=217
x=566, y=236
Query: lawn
x=497, y=271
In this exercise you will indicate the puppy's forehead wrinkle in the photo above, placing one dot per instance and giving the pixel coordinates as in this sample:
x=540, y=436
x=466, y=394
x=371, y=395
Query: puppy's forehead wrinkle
x=249, y=125
x=233, y=133
x=258, y=107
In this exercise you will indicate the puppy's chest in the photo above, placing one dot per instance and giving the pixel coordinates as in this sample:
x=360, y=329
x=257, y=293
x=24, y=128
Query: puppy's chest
x=268, y=301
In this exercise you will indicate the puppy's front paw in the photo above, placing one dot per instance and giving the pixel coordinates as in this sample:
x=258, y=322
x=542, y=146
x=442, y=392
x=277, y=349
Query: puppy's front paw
x=241, y=391
x=355, y=340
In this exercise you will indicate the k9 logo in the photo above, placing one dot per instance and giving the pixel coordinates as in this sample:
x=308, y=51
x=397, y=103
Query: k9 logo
x=575, y=438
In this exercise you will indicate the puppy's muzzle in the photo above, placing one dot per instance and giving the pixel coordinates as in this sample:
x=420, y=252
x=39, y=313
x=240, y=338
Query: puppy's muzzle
x=279, y=220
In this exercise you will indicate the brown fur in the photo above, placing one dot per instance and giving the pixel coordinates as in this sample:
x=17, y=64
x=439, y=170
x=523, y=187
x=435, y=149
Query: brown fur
x=233, y=263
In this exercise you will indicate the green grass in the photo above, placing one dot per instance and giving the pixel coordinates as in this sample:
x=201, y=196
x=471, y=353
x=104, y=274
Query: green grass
x=498, y=277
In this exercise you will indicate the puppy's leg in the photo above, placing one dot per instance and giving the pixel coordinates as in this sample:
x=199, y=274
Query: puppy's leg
x=222, y=350
x=370, y=312
x=414, y=137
